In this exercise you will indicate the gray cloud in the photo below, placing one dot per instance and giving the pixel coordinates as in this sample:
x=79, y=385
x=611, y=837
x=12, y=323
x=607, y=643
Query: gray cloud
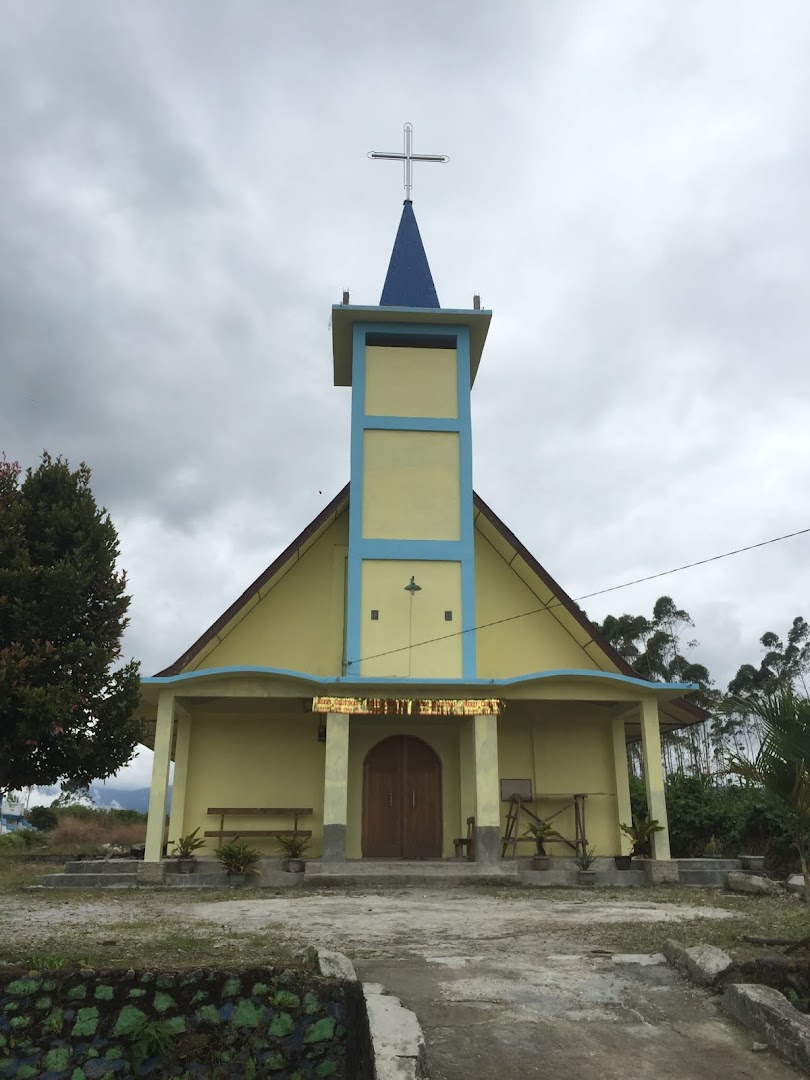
x=184, y=192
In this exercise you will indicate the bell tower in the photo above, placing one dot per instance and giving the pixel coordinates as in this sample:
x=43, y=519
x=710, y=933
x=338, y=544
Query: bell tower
x=410, y=604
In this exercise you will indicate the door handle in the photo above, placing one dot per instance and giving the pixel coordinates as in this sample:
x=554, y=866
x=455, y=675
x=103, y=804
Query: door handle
x=413, y=799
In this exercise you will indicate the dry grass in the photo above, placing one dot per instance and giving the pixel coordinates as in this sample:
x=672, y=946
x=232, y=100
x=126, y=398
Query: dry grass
x=73, y=835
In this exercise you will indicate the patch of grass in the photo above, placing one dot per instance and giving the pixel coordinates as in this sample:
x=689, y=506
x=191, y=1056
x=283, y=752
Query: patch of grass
x=762, y=916
x=142, y=945
x=16, y=874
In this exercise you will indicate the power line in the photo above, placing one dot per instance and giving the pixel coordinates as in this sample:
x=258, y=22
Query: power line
x=588, y=596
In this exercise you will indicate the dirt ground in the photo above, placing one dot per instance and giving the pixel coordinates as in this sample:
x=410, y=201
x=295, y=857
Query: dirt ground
x=504, y=985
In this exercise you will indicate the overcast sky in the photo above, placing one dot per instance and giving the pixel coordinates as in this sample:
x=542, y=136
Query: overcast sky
x=184, y=192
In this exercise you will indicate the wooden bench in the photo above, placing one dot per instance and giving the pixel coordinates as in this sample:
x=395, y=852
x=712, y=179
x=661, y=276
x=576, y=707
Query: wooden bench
x=465, y=845
x=295, y=812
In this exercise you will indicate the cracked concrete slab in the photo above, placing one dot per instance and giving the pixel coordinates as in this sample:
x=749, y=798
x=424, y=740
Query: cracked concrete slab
x=509, y=990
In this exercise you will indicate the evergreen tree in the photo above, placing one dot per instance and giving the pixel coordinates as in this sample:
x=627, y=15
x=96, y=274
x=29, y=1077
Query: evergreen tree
x=66, y=709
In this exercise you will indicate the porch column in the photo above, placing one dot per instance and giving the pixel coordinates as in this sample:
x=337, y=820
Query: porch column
x=623, y=811
x=487, y=790
x=654, y=774
x=156, y=821
x=177, y=827
x=335, y=787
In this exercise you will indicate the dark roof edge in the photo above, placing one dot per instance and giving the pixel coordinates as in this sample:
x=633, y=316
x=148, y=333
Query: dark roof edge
x=261, y=580
x=572, y=607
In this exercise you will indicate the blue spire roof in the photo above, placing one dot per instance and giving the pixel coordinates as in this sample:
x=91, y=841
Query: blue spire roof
x=408, y=282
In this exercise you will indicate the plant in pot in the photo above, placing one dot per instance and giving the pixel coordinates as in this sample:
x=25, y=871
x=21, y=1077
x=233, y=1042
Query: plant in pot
x=584, y=860
x=183, y=851
x=294, y=848
x=641, y=832
x=541, y=833
x=239, y=861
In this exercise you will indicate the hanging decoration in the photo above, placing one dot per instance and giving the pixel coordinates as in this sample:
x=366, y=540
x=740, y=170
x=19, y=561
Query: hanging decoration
x=409, y=706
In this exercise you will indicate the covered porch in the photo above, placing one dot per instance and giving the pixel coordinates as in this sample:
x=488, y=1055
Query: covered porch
x=403, y=771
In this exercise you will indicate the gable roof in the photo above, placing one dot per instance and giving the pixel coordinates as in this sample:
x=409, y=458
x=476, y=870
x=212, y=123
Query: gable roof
x=333, y=510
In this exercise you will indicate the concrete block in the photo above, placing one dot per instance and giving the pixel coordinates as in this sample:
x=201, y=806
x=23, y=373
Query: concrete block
x=661, y=871
x=771, y=1017
x=795, y=885
x=706, y=964
x=706, y=878
x=675, y=952
x=754, y=863
x=334, y=843
x=397, y=1041
x=335, y=965
x=752, y=884
x=487, y=844
x=150, y=873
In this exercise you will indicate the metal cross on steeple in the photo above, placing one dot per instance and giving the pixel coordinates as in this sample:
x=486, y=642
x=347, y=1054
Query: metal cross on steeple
x=407, y=158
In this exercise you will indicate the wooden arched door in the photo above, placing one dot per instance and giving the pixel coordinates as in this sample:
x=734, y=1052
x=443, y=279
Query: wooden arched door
x=402, y=800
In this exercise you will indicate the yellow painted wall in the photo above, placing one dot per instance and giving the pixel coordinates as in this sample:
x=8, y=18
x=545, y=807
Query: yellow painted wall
x=535, y=643
x=298, y=624
x=383, y=589
x=441, y=735
x=564, y=748
x=256, y=759
x=411, y=485
x=411, y=382
x=253, y=760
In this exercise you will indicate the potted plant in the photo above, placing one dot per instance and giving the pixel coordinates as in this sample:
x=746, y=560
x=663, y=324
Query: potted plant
x=641, y=832
x=294, y=848
x=183, y=851
x=540, y=832
x=584, y=860
x=238, y=861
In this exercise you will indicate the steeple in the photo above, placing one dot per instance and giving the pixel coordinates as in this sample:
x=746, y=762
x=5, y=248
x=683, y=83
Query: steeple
x=410, y=571
x=409, y=282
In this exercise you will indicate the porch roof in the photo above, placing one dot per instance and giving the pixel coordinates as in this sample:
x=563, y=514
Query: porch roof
x=567, y=684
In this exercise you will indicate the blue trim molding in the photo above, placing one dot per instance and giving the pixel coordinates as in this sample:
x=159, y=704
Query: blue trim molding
x=360, y=547
x=587, y=674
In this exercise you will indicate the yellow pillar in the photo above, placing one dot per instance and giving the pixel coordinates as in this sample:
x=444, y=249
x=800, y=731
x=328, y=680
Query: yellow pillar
x=487, y=790
x=654, y=774
x=335, y=787
x=156, y=821
x=623, y=811
x=182, y=742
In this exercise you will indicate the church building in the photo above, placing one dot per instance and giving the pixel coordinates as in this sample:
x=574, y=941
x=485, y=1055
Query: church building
x=406, y=673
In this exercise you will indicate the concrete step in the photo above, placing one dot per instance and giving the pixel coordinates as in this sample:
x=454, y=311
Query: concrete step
x=416, y=868
x=709, y=864
x=89, y=881
x=101, y=866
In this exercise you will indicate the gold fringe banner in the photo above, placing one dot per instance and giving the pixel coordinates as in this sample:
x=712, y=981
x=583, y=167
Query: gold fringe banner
x=409, y=706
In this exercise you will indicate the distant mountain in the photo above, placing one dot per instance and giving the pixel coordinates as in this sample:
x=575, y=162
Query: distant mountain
x=110, y=797
x=104, y=796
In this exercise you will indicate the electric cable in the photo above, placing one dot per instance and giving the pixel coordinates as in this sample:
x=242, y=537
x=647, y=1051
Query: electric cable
x=587, y=596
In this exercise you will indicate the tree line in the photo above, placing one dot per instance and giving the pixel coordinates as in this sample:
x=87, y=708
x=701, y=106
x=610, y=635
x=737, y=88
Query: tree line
x=660, y=648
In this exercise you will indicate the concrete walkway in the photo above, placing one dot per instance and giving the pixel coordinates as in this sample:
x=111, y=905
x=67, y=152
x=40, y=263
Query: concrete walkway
x=520, y=987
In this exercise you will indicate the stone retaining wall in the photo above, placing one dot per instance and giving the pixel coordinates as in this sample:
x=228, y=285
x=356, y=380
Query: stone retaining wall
x=82, y=1025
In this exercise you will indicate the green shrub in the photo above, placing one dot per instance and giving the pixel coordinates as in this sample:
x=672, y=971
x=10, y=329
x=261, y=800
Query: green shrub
x=42, y=818
x=722, y=820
